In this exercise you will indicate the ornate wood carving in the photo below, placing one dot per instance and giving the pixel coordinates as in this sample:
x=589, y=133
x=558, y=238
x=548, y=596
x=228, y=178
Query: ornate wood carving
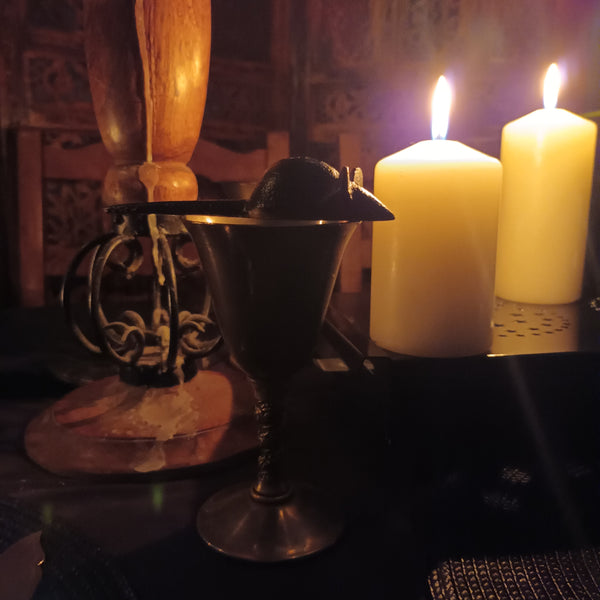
x=340, y=37
x=55, y=22
x=57, y=91
x=72, y=208
x=47, y=74
x=238, y=103
x=58, y=15
x=72, y=217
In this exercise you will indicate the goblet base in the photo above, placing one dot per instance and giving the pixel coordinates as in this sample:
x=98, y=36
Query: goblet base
x=233, y=523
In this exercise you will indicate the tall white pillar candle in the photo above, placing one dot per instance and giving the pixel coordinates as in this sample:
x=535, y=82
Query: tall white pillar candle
x=432, y=288
x=548, y=162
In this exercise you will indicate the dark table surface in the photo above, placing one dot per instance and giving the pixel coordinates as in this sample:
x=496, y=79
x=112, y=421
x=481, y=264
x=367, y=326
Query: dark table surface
x=428, y=459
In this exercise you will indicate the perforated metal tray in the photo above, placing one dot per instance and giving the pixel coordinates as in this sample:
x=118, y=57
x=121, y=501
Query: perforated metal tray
x=519, y=329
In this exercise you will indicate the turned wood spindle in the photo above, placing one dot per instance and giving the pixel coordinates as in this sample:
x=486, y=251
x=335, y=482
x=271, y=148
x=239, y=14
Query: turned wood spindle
x=148, y=63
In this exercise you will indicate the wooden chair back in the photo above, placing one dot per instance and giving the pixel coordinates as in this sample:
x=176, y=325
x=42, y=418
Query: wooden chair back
x=47, y=167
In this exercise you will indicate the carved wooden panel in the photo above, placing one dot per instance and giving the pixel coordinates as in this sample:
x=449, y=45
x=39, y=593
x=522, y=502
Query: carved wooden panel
x=340, y=37
x=57, y=91
x=55, y=22
x=72, y=217
x=230, y=18
x=51, y=88
x=73, y=212
x=238, y=103
x=53, y=71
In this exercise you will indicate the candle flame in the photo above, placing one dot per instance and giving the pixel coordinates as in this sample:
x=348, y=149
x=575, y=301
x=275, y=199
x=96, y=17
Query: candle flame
x=551, y=86
x=440, y=109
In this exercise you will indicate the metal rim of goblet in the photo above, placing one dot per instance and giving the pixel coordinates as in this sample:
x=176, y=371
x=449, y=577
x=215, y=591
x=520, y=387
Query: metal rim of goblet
x=261, y=222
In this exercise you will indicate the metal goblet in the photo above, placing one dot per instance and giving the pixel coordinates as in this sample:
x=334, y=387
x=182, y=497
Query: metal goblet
x=271, y=281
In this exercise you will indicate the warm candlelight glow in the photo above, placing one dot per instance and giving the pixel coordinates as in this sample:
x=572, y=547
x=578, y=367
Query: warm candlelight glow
x=548, y=162
x=432, y=271
x=440, y=109
x=551, y=86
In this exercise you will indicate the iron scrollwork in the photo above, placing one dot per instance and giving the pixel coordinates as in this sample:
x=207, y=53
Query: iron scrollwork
x=160, y=351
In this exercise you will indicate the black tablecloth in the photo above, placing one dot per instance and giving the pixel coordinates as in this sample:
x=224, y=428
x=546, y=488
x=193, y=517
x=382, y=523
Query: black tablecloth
x=430, y=461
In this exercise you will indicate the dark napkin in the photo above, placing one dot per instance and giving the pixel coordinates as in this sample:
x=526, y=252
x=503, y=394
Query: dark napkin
x=74, y=568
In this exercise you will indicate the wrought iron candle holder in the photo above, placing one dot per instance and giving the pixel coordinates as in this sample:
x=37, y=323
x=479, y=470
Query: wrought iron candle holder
x=160, y=413
x=160, y=352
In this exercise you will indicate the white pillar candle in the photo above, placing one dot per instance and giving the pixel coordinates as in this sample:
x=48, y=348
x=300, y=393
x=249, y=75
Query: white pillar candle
x=432, y=289
x=548, y=162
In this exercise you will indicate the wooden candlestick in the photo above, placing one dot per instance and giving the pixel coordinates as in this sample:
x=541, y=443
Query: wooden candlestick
x=148, y=68
x=148, y=64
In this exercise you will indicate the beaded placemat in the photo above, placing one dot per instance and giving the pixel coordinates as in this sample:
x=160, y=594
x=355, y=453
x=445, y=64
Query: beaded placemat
x=570, y=575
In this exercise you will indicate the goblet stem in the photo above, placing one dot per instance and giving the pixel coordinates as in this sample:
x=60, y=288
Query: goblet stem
x=271, y=486
x=273, y=521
